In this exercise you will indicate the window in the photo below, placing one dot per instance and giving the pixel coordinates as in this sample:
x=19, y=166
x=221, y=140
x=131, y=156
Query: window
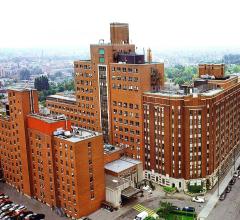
x=101, y=51
x=101, y=60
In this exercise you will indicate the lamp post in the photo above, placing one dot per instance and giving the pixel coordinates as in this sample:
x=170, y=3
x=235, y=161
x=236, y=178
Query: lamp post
x=218, y=181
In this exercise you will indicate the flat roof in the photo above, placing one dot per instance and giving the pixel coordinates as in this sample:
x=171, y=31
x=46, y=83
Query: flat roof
x=47, y=118
x=78, y=135
x=135, y=64
x=174, y=94
x=108, y=148
x=20, y=88
x=64, y=97
x=121, y=164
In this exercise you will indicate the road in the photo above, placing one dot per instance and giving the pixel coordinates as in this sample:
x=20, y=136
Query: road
x=229, y=209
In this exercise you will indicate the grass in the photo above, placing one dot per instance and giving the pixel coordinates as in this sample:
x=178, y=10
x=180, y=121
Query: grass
x=179, y=217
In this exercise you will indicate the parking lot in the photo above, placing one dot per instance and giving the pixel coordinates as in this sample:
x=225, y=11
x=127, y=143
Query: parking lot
x=31, y=204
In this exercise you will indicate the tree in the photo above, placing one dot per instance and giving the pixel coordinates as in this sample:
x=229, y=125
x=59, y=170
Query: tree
x=41, y=83
x=24, y=74
x=181, y=74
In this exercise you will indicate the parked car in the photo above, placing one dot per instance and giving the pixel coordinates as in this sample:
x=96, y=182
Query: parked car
x=20, y=208
x=14, y=207
x=23, y=214
x=198, y=199
x=228, y=189
x=4, y=197
x=5, y=203
x=222, y=196
x=108, y=206
x=175, y=208
x=4, y=214
x=85, y=218
x=235, y=174
x=188, y=209
x=6, y=207
x=3, y=200
x=37, y=216
x=232, y=181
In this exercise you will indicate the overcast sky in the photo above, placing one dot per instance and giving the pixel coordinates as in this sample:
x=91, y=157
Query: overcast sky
x=159, y=24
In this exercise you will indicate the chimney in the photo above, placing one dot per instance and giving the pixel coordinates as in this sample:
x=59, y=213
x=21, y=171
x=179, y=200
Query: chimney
x=149, y=55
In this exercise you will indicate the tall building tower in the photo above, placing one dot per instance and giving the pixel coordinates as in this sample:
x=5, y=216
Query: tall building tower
x=109, y=90
x=16, y=168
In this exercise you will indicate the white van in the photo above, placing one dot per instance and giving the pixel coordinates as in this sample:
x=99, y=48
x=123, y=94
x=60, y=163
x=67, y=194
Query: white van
x=141, y=216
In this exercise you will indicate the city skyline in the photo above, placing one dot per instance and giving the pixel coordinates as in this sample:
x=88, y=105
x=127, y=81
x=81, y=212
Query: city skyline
x=159, y=24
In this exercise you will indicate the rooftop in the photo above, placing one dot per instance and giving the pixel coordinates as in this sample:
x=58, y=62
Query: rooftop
x=20, y=88
x=62, y=97
x=122, y=164
x=66, y=98
x=49, y=118
x=108, y=148
x=77, y=135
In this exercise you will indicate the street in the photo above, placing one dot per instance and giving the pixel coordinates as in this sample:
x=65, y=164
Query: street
x=229, y=209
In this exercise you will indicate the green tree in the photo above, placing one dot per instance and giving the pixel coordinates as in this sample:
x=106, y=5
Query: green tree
x=24, y=74
x=41, y=83
x=181, y=74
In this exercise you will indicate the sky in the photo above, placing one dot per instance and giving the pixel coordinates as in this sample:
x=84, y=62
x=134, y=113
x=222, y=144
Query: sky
x=162, y=24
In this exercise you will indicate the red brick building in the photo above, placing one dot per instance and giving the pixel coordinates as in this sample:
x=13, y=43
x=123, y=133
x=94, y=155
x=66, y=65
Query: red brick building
x=109, y=90
x=192, y=133
x=44, y=158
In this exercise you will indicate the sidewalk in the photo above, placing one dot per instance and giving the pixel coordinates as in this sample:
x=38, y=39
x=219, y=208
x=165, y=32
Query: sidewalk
x=214, y=198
